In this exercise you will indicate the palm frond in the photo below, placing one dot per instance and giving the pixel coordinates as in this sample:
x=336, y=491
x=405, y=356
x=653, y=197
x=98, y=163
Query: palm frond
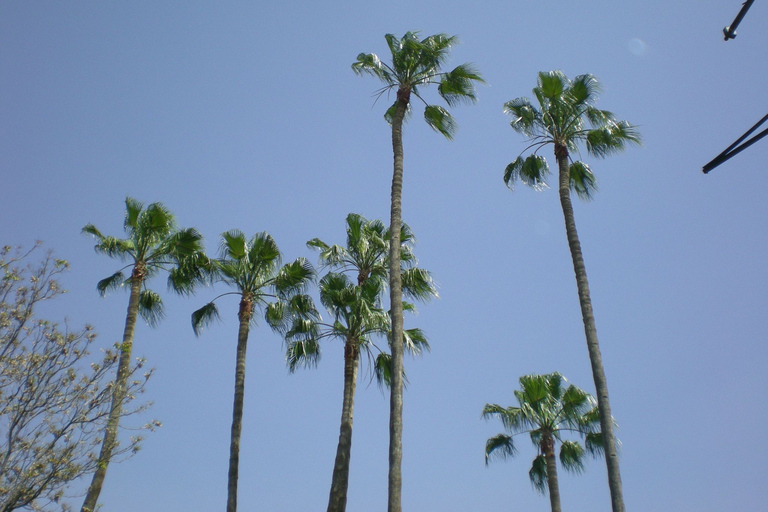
x=538, y=474
x=234, y=245
x=278, y=316
x=551, y=84
x=415, y=341
x=263, y=253
x=370, y=64
x=204, y=317
x=133, y=209
x=572, y=456
x=594, y=443
x=418, y=284
x=532, y=171
x=458, y=85
x=190, y=272
x=612, y=138
x=598, y=118
x=525, y=117
x=294, y=277
x=90, y=229
x=302, y=353
x=584, y=90
x=112, y=282
x=440, y=120
x=583, y=181
x=382, y=371
x=390, y=113
x=115, y=248
x=500, y=446
x=151, y=307
x=153, y=225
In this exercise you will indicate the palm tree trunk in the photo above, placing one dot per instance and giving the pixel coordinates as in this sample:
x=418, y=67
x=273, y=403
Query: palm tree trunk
x=337, y=501
x=593, y=346
x=548, y=447
x=244, y=315
x=118, y=392
x=394, y=501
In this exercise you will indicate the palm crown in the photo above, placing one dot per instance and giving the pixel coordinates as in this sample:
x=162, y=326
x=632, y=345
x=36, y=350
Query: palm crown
x=154, y=244
x=417, y=63
x=356, y=307
x=566, y=118
x=253, y=268
x=546, y=408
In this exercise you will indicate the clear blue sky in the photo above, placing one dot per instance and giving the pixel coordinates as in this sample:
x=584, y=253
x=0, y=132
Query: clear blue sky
x=247, y=115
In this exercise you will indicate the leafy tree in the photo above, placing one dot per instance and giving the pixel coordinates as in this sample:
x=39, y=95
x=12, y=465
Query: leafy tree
x=53, y=403
x=252, y=268
x=357, y=318
x=566, y=119
x=546, y=410
x=416, y=63
x=154, y=244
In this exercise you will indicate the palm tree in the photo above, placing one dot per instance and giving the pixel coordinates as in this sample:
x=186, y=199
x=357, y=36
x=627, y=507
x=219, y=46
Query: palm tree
x=546, y=410
x=252, y=268
x=154, y=244
x=415, y=63
x=357, y=317
x=567, y=118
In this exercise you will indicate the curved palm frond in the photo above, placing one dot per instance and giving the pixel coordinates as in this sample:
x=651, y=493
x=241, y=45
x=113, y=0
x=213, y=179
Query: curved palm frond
x=294, y=278
x=572, y=456
x=457, y=86
x=440, y=120
x=112, y=282
x=583, y=181
x=500, y=446
x=415, y=341
x=304, y=352
x=538, y=474
x=418, y=284
x=204, y=317
x=532, y=171
x=151, y=307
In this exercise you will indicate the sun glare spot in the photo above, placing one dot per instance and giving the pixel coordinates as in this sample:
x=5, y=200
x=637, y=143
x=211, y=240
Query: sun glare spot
x=637, y=47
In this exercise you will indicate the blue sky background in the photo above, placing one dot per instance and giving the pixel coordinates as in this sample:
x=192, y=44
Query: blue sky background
x=247, y=115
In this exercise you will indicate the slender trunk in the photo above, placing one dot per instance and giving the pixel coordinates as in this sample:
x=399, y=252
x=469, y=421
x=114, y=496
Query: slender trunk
x=337, y=502
x=244, y=315
x=548, y=448
x=598, y=373
x=118, y=391
x=395, y=483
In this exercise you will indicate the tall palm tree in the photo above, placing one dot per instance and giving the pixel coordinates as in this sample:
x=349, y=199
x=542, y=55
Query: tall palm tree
x=546, y=410
x=566, y=119
x=357, y=317
x=416, y=63
x=253, y=268
x=154, y=244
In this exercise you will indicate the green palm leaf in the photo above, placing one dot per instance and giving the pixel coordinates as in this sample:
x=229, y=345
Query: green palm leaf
x=302, y=353
x=538, y=474
x=572, y=456
x=151, y=307
x=500, y=446
x=440, y=120
x=204, y=317
x=112, y=282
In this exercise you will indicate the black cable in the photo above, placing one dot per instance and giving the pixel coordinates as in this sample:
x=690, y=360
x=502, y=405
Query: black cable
x=734, y=150
x=730, y=32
